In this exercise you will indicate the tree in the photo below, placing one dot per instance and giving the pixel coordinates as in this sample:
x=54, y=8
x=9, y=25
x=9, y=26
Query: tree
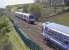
x=25, y=8
x=36, y=10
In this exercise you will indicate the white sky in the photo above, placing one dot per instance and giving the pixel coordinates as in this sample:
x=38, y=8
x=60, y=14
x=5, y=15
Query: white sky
x=3, y=3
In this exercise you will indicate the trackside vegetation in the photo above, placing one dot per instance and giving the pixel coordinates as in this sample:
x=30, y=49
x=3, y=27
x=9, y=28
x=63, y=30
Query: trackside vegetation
x=4, y=30
x=9, y=40
x=15, y=39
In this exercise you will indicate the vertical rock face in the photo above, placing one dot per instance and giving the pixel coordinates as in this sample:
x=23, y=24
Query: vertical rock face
x=66, y=1
x=51, y=2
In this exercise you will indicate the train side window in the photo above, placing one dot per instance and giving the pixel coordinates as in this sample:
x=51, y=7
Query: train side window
x=21, y=15
x=24, y=16
x=66, y=42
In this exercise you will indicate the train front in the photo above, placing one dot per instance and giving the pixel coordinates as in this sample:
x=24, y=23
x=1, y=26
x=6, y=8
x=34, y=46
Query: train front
x=31, y=19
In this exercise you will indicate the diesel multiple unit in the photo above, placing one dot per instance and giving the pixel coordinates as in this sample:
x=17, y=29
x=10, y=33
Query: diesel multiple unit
x=25, y=16
x=56, y=34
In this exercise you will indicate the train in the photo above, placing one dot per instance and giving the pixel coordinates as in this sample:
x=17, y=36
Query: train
x=29, y=18
x=56, y=34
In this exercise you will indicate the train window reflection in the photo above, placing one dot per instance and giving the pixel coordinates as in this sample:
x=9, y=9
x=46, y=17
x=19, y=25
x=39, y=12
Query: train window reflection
x=51, y=32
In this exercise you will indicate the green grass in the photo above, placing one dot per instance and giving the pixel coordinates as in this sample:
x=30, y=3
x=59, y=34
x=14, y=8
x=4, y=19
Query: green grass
x=3, y=31
x=61, y=19
x=15, y=39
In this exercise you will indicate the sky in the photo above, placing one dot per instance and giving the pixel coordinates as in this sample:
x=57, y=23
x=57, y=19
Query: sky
x=3, y=3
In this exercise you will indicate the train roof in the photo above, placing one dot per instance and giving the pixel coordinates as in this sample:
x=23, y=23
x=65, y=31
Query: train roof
x=58, y=27
x=23, y=13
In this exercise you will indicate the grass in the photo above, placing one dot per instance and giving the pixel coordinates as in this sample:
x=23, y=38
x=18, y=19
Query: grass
x=15, y=39
x=3, y=33
x=61, y=19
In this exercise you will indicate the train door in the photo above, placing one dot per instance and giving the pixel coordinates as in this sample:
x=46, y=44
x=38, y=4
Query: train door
x=27, y=19
x=24, y=18
x=44, y=31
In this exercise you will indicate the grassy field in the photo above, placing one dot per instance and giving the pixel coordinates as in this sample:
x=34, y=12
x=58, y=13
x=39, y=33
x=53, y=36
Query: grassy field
x=61, y=19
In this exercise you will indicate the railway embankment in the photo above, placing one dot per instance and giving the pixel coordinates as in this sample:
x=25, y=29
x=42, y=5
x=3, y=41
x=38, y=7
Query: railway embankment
x=15, y=39
x=25, y=38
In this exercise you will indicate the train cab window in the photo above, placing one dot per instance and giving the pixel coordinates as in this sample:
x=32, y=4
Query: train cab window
x=31, y=17
x=51, y=32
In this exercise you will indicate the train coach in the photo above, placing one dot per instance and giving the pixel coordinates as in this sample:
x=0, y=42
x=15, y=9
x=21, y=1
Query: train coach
x=26, y=17
x=57, y=35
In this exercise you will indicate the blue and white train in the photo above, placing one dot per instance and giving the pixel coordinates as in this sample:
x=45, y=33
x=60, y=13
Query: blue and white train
x=26, y=16
x=57, y=35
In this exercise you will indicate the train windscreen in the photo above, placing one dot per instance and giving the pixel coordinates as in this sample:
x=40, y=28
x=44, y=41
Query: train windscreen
x=31, y=17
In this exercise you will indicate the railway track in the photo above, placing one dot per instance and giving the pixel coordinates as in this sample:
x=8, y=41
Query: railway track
x=33, y=31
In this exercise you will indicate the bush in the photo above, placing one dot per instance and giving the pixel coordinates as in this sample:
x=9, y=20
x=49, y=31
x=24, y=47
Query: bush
x=4, y=26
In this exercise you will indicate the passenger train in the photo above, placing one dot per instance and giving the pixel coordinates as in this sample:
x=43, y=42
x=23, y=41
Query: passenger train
x=25, y=16
x=57, y=35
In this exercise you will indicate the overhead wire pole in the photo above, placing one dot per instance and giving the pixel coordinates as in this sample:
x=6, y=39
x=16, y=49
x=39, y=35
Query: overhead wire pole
x=63, y=6
x=50, y=3
x=55, y=5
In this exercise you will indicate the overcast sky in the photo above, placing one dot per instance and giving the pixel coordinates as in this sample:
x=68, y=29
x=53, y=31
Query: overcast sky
x=3, y=3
